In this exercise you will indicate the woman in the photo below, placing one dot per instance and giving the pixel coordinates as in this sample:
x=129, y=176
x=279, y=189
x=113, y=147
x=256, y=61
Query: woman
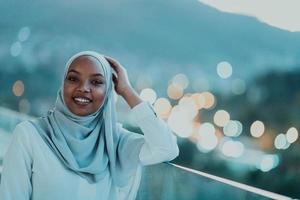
x=78, y=151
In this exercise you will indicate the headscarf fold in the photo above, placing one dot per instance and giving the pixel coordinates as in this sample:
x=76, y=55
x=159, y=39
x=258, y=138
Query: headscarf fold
x=87, y=145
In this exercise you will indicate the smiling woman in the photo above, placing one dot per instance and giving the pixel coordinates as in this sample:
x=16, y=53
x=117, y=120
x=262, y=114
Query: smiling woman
x=78, y=150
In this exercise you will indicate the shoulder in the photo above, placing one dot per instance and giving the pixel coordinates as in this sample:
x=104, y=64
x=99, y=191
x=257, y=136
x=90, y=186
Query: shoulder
x=24, y=125
x=23, y=129
x=24, y=133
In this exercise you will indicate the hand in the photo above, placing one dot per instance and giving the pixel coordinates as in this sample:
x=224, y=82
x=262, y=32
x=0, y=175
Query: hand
x=122, y=84
x=120, y=77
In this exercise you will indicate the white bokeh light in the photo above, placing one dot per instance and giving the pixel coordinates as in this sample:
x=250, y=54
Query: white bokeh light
x=268, y=162
x=16, y=49
x=221, y=118
x=292, y=135
x=208, y=140
x=179, y=123
x=232, y=148
x=280, y=141
x=224, y=69
x=233, y=128
x=188, y=106
x=24, y=34
x=257, y=129
x=149, y=95
x=206, y=128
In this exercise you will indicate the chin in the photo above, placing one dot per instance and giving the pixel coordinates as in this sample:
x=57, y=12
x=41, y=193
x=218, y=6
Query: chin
x=83, y=113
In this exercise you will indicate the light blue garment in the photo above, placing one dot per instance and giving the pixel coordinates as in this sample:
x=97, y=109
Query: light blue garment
x=86, y=144
x=31, y=170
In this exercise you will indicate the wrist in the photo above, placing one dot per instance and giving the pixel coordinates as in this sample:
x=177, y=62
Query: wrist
x=126, y=91
x=131, y=97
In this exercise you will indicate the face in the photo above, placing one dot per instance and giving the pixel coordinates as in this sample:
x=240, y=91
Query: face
x=84, y=86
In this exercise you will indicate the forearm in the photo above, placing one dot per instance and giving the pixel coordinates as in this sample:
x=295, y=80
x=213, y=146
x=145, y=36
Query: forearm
x=160, y=143
x=131, y=97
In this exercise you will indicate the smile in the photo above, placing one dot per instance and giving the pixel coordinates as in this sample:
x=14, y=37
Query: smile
x=82, y=100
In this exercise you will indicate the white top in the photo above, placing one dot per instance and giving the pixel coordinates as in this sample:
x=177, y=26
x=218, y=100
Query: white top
x=32, y=171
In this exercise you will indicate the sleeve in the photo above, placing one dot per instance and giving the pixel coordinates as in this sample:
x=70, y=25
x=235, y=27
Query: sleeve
x=17, y=164
x=158, y=144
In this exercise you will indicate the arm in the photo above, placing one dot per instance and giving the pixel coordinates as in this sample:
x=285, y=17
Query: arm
x=159, y=143
x=16, y=174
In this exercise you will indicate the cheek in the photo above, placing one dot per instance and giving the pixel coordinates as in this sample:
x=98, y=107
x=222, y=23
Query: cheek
x=99, y=96
x=67, y=93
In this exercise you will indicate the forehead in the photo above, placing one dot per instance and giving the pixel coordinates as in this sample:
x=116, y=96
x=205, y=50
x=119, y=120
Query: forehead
x=88, y=64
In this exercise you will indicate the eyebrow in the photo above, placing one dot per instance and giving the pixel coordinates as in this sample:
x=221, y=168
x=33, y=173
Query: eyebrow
x=73, y=70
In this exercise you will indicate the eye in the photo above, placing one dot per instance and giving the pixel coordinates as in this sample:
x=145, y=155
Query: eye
x=72, y=78
x=97, y=82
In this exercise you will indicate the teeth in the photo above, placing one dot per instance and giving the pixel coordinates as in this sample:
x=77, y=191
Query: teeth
x=83, y=100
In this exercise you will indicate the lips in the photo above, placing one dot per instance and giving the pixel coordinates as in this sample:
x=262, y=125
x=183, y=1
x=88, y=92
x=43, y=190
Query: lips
x=82, y=100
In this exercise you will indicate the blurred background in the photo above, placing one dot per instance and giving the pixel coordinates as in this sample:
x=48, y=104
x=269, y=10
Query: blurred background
x=223, y=74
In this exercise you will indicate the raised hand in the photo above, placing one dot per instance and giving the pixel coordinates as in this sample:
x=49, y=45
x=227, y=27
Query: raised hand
x=122, y=84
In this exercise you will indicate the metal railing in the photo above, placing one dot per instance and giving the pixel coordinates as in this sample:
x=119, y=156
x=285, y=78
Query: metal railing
x=168, y=181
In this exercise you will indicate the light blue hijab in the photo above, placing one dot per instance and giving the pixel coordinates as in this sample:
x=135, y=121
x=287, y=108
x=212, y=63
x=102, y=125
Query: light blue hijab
x=87, y=145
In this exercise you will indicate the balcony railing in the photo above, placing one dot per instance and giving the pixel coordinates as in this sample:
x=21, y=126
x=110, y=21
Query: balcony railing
x=168, y=181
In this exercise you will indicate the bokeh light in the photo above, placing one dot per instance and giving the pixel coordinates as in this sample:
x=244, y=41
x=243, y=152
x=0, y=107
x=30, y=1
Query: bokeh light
x=233, y=128
x=208, y=139
x=292, y=135
x=209, y=100
x=232, y=148
x=199, y=100
x=257, y=129
x=181, y=80
x=280, y=141
x=18, y=88
x=24, y=106
x=24, y=34
x=224, y=69
x=180, y=123
x=149, y=95
x=162, y=107
x=268, y=162
x=221, y=118
x=175, y=91
x=188, y=106
x=16, y=49
x=206, y=128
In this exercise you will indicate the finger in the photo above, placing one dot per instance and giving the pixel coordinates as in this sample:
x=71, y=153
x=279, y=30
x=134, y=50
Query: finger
x=115, y=69
x=111, y=60
x=113, y=65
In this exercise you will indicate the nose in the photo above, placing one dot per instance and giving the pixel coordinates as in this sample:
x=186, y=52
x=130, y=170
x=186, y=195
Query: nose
x=84, y=87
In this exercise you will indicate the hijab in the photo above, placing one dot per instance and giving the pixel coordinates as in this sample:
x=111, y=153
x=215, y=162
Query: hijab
x=86, y=145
